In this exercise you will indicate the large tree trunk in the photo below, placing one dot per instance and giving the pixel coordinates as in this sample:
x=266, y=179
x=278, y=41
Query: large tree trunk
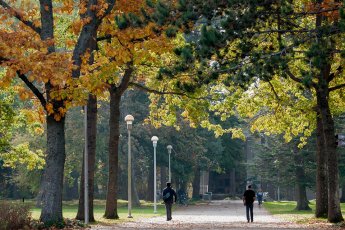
x=321, y=173
x=302, y=201
x=196, y=183
x=322, y=95
x=52, y=182
x=334, y=211
x=114, y=133
x=91, y=136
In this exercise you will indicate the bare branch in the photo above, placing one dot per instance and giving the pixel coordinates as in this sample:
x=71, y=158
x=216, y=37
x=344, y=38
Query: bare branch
x=19, y=16
x=33, y=88
x=146, y=89
x=293, y=77
x=336, y=87
x=318, y=11
x=274, y=91
x=339, y=70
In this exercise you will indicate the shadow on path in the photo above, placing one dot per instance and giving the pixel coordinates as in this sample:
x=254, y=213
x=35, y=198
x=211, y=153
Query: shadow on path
x=224, y=214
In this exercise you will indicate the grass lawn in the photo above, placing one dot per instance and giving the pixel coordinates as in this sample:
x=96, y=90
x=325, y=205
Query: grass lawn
x=70, y=209
x=286, y=210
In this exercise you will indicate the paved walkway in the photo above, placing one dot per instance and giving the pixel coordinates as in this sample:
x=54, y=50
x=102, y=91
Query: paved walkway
x=223, y=214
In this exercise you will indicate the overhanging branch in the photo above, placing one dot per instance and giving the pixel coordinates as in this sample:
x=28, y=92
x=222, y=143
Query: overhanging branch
x=293, y=77
x=336, y=87
x=19, y=16
x=146, y=89
x=33, y=88
x=274, y=91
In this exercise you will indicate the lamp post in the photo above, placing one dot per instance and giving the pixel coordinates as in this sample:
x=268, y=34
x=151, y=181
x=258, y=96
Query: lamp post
x=86, y=171
x=154, y=140
x=129, y=120
x=169, y=147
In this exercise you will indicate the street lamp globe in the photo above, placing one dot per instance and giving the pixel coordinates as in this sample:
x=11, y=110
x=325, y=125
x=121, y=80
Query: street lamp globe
x=129, y=120
x=169, y=147
x=154, y=140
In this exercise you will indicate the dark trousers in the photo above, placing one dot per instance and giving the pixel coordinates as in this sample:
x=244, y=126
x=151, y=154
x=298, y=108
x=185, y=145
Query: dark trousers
x=249, y=208
x=168, y=210
x=260, y=201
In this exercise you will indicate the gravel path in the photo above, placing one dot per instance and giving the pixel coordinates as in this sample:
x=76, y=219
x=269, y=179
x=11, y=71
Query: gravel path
x=223, y=214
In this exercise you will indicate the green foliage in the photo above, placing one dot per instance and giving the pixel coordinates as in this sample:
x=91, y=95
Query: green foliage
x=283, y=160
x=122, y=21
x=171, y=32
x=21, y=154
x=210, y=40
x=7, y=118
x=161, y=14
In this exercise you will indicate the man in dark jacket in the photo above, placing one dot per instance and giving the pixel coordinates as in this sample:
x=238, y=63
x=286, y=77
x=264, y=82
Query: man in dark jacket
x=168, y=198
x=248, y=200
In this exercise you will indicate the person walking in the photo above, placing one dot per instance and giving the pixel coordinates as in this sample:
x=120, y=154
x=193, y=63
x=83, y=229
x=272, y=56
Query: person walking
x=248, y=201
x=168, y=198
x=259, y=196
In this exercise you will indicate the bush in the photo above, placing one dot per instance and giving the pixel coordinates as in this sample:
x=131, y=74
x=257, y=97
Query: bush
x=14, y=216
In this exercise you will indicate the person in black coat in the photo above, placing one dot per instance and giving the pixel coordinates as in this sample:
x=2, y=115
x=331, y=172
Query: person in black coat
x=168, y=198
x=248, y=201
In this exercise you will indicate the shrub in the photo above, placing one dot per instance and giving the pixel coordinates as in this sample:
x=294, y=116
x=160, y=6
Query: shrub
x=14, y=216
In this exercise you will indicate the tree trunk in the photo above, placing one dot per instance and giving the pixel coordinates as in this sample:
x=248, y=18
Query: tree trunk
x=302, y=201
x=321, y=173
x=52, y=182
x=196, y=183
x=334, y=211
x=150, y=184
x=91, y=136
x=114, y=133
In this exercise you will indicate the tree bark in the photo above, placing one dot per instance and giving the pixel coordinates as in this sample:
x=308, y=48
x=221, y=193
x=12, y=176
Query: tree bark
x=196, y=183
x=302, y=201
x=321, y=173
x=111, y=202
x=114, y=135
x=52, y=182
x=92, y=133
x=334, y=211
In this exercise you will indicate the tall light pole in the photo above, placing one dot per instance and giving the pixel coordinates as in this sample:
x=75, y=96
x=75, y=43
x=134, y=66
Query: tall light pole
x=86, y=171
x=129, y=120
x=169, y=147
x=154, y=140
